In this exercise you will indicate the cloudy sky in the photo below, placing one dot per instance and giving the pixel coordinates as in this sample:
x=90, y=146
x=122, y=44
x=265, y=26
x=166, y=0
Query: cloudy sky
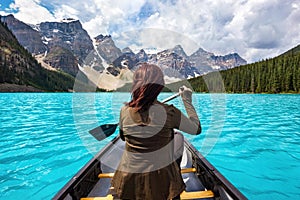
x=255, y=29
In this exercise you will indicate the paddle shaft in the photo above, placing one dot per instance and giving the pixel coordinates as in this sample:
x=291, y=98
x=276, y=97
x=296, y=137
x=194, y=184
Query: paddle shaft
x=171, y=97
x=105, y=130
x=168, y=99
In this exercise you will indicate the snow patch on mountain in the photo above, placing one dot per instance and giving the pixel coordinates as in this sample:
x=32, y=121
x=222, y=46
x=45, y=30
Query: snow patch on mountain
x=104, y=63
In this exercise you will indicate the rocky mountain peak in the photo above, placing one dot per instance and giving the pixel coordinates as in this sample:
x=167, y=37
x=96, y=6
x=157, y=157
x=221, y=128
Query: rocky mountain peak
x=127, y=50
x=68, y=20
x=69, y=35
x=228, y=61
x=28, y=37
x=173, y=64
x=66, y=45
x=101, y=38
x=20, y=72
x=106, y=47
x=142, y=56
x=179, y=51
x=201, y=52
x=66, y=27
x=206, y=62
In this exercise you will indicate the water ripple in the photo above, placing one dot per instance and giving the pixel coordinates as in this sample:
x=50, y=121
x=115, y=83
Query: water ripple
x=45, y=141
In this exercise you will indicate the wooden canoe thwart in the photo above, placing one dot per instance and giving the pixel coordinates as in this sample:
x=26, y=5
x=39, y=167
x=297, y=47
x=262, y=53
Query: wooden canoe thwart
x=110, y=175
x=202, y=180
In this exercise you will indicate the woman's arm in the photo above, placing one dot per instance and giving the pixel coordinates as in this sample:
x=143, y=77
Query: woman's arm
x=190, y=124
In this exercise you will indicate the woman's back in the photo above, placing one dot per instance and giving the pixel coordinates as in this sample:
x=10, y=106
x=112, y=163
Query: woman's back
x=150, y=140
x=148, y=168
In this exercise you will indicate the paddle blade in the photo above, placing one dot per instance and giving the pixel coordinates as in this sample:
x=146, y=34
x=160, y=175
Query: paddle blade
x=103, y=131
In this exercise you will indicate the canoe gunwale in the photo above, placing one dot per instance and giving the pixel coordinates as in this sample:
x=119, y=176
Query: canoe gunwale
x=87, y=176
x=90, y=165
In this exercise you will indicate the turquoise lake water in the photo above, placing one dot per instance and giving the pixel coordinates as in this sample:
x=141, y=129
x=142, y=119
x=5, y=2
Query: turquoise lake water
x=253, y=140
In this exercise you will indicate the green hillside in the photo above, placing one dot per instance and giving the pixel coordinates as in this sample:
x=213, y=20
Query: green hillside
x=277, y=75
x=18, y=67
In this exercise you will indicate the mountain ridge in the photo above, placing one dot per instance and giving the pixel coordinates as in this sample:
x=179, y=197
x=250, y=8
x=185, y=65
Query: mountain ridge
x=20, y=72
x=280, y=74
x=101, y=53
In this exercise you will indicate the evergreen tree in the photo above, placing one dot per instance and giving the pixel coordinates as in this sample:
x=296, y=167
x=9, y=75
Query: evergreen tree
x=277, y=75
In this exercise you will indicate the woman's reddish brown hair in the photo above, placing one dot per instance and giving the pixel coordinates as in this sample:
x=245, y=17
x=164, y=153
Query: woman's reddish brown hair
x=148, y=82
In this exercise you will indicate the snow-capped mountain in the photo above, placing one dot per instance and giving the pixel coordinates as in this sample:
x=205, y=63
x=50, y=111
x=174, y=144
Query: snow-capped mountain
x=67, y=34
x=67, y=46
x=206, y=62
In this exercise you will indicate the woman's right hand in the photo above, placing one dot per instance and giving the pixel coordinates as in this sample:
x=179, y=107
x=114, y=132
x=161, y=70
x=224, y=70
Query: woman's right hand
x=185, y=93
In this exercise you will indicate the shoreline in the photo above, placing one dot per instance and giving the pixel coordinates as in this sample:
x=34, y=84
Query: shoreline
x=14, y=88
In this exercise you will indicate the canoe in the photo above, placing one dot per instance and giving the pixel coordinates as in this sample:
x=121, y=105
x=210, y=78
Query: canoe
x=202, y=179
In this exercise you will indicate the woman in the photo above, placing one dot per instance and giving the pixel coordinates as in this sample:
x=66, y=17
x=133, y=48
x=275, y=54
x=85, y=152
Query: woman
x=148, y=168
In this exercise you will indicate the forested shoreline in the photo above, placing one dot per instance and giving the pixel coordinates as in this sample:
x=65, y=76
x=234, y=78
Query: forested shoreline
x=276, y=75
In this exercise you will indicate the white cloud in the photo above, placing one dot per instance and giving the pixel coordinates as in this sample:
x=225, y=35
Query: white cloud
x=205, y=22
x=66, y=11
x=30, y=11
x=157, y=38
x=265, y=28
x=254, y=29
x=96, y=26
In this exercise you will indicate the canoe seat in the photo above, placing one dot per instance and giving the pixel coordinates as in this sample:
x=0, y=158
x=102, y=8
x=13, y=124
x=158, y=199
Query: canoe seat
x=108, y=197
x=106, y=175
x=196, y=195
x=183, y=171
x=184, y=196
x=188, y=170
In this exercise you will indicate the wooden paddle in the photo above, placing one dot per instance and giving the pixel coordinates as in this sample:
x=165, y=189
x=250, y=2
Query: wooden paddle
x=106, y=130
